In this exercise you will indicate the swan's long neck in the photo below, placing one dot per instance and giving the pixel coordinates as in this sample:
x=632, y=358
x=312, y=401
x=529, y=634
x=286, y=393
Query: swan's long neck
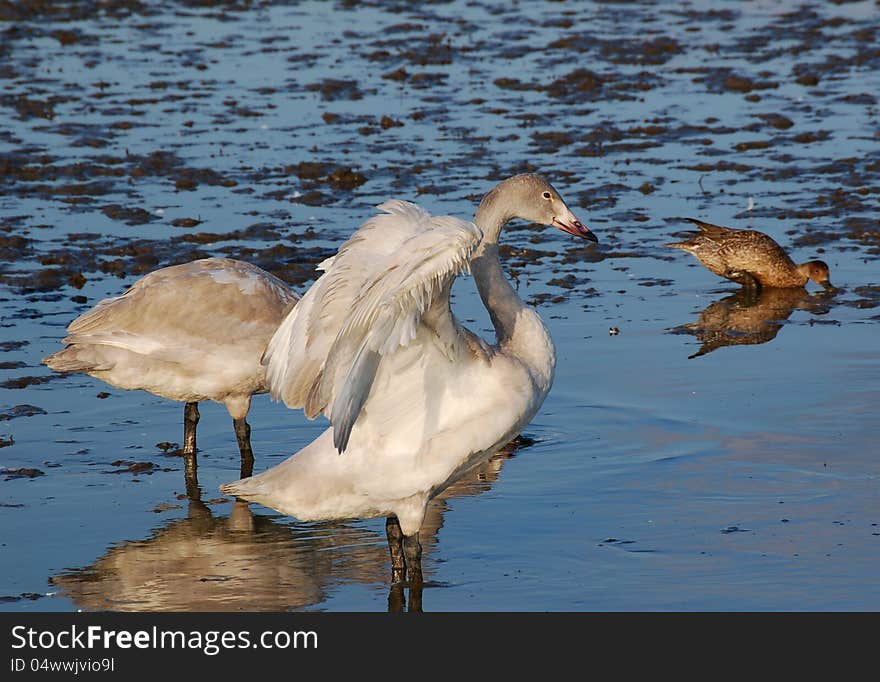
x=518, y=329
x=498, y=296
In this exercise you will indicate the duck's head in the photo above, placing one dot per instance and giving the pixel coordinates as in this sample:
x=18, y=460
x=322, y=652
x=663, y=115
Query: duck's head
x=817, y=270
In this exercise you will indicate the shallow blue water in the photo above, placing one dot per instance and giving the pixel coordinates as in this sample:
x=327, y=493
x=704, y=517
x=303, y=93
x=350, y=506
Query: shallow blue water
x=745, y=478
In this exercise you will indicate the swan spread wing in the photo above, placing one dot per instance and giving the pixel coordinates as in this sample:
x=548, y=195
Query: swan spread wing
x=385, y=282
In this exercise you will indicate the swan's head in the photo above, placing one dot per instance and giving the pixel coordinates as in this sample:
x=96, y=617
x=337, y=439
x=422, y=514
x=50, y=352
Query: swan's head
x=531, y=197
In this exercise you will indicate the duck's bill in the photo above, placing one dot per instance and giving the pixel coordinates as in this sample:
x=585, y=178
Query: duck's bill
x=575, y=227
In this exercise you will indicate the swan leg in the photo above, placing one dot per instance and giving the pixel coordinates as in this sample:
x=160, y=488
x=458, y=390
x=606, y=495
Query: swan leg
x=412, y=549
x=191, y=475
x=190, y=419
x=243, y=435
x=415, y=598
x=396, y=598
x=395, y=546
x=397, y=602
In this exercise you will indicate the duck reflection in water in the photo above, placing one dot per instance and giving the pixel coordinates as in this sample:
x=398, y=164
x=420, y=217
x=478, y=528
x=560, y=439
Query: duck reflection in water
x=251, y=562
x=750, y=317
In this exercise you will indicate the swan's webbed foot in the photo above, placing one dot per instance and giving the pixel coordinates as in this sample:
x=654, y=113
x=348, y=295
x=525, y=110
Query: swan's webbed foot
x=243, y=436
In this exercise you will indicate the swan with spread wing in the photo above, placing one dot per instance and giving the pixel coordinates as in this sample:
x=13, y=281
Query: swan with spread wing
x=414, y=398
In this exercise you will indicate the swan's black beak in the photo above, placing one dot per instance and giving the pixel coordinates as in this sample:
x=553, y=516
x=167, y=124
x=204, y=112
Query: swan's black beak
x=574, y=226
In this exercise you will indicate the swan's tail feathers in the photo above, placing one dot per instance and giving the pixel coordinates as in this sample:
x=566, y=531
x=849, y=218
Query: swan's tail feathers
x=243, y=487
x=230, y=488
x=75, y=359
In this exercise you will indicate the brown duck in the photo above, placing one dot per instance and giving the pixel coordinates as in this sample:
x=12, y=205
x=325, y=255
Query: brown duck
x=749, y=257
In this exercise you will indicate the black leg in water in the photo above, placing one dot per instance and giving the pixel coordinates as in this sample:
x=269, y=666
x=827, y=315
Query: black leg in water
x=190, y=420
x=396, y=598
x=243, y=435
x=191, y=475
x=397, y=601
x=415, y=598
x=413, y=552
x=395, y=546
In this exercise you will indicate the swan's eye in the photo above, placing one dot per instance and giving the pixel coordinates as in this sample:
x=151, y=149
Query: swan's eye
x=546, y=195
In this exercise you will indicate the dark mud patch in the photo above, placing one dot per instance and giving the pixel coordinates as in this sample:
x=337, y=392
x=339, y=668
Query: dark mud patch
x=333, y=89
x=584, y=85
x=21, y=411
x=12, y=365
x=131, y=467
x=521, y=256
x=186, y=222
x=80, y=257
x=544, y=298
x=24, y=382
x=256, y=232
x=640, y=52
x=720, y=167
x=775, y=120
x=24, y=173
x=316, y=174
x=868, y=297
x=164, y=507
x=24, y=596
x=569, y=281
x=128, y=215
x=12, y=474
x=71, y=10
x=655, y=282
x=13, y=247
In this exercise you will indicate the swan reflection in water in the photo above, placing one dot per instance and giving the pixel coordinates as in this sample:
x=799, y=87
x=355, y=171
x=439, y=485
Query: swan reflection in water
x=251, y=562
x=750, y=317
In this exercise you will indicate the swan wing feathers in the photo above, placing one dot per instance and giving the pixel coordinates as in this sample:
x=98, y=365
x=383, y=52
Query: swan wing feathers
x=370, y=301
x=181, y=311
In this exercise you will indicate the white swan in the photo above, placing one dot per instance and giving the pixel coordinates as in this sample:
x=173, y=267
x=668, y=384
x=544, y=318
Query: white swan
x=415, y=399
x=188, y=332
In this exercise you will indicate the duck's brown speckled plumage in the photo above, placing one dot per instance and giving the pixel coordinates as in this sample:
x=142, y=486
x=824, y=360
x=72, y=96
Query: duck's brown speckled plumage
x=749, y=257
